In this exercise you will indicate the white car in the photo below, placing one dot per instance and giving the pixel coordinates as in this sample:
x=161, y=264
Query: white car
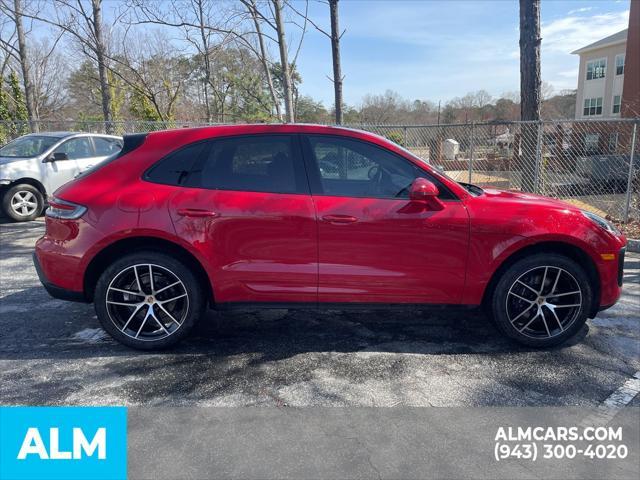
x=35, y=165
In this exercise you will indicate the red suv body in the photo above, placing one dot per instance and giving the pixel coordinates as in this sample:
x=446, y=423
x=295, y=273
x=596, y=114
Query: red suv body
x=304, y=215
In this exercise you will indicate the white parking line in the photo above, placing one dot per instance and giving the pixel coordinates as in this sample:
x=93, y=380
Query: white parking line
x=614, y=402
x=624, y=394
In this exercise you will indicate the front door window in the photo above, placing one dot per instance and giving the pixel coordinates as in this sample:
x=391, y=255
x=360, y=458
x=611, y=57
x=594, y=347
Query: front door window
x=76, y=148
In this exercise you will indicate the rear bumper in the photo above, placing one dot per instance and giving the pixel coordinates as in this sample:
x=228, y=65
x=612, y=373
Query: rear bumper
x=54, y=290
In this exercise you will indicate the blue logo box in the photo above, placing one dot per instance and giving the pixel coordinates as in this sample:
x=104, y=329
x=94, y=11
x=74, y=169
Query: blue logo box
x=63, y=443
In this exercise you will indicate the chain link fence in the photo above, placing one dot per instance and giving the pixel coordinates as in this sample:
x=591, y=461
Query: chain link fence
x=592, y=164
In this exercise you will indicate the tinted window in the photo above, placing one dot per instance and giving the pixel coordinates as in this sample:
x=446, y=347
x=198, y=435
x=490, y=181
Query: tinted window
x=175, y=168
x=76, y=148
x=252, y=164
x=357, y=169
x=106, y=146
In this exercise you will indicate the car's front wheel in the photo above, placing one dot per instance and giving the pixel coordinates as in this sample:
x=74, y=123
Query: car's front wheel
x=542, y=300
x=22, y=202
x=148, y=300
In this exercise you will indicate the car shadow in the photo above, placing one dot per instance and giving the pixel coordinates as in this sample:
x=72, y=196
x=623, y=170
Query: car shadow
x=38, y=327
x=10, y=222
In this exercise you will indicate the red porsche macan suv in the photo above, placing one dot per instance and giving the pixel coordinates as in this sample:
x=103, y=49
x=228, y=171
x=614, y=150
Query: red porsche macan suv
x=293, y=216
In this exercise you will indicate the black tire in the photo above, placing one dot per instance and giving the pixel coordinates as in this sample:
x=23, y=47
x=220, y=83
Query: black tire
x=25, y=212
x=112, y=316
x=511, y=298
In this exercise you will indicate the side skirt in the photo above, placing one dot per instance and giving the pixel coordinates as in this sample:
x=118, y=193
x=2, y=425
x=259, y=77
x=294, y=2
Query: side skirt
x=351, y=306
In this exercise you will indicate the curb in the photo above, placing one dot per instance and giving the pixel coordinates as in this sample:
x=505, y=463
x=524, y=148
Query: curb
x=633, y=245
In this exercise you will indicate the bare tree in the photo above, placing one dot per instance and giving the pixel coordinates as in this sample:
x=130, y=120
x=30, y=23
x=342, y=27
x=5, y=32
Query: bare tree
x=48, y=69
x=263, y=55
x=15, y=10
x=244, y=26
x=8, y=47
x=284, y=61
x=94, y=28
x=335, y=35
x=241, y=26
x=196, y=20
x=150, y=66
x=530, y=86
x=83, y=22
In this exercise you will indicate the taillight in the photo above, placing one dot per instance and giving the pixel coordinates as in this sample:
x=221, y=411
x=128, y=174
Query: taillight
x=65, y=210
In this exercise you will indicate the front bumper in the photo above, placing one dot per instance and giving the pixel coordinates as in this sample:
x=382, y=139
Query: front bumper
x=54, y=290
x=621, y=254
x=611, y=273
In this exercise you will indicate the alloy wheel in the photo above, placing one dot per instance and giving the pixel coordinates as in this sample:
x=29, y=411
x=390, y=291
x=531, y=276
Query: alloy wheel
x=24, y=203
x=544, y=302
x=147, y=302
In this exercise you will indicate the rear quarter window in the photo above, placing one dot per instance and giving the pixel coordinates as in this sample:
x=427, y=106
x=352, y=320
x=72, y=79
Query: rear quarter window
x=176, y=167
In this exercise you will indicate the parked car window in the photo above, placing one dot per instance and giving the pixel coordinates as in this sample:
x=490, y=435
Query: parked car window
x=76, y=148
x=176, y=167
x=106, y=146
x=28, y=146
x=260, y=163
x=357, y=169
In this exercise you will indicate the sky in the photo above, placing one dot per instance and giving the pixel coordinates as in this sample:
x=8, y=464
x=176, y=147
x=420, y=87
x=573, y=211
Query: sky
x=440, y=49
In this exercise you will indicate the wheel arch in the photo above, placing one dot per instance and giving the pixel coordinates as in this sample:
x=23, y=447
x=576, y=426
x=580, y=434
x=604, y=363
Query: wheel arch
x=558, y=247
x=29, y=181
x=104, y=257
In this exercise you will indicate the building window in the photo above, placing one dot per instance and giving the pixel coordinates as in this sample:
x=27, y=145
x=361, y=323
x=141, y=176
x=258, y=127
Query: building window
x=592, y=106
x=613, y=142
x=620, y=64
x=591, y=142
x=596, y=69
x=617, y=100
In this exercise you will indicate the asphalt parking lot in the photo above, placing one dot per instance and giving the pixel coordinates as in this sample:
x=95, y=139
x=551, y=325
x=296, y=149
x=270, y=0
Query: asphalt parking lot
x=53, y=352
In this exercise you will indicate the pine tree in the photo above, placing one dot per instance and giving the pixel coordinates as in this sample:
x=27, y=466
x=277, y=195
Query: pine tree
x=5, y=115
x=141, y=107
x=20, y=115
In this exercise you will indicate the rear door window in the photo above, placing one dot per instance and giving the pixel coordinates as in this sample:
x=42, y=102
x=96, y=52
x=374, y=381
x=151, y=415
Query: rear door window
x=106, y=146
x=252, y=163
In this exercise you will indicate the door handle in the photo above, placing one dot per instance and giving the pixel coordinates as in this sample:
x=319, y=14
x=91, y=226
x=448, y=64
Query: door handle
x=197, y=212
x=342, y=219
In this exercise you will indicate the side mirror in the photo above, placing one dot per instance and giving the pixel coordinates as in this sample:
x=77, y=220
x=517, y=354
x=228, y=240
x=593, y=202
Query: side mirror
x=422, y=190
x=56, y=157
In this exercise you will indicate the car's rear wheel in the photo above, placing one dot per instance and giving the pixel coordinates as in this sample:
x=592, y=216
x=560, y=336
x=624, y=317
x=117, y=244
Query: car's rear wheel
x=22, y=202
x=542, y=300
x=148, y=300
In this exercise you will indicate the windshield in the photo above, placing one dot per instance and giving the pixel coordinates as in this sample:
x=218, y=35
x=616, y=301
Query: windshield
x=29, y=146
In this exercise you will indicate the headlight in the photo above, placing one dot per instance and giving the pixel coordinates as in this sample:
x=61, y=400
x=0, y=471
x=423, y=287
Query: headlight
x=601, y=222
x=65, y=210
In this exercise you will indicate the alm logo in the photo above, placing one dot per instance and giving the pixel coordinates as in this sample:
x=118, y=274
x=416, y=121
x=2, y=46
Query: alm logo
x=33, y=445
x=58, y=443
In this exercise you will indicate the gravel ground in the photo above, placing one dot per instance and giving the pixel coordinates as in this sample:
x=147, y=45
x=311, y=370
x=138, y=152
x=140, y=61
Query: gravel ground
x=53, y=352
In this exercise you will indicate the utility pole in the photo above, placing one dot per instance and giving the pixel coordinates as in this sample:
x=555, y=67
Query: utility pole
x=530, y=87
x=335, y=53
